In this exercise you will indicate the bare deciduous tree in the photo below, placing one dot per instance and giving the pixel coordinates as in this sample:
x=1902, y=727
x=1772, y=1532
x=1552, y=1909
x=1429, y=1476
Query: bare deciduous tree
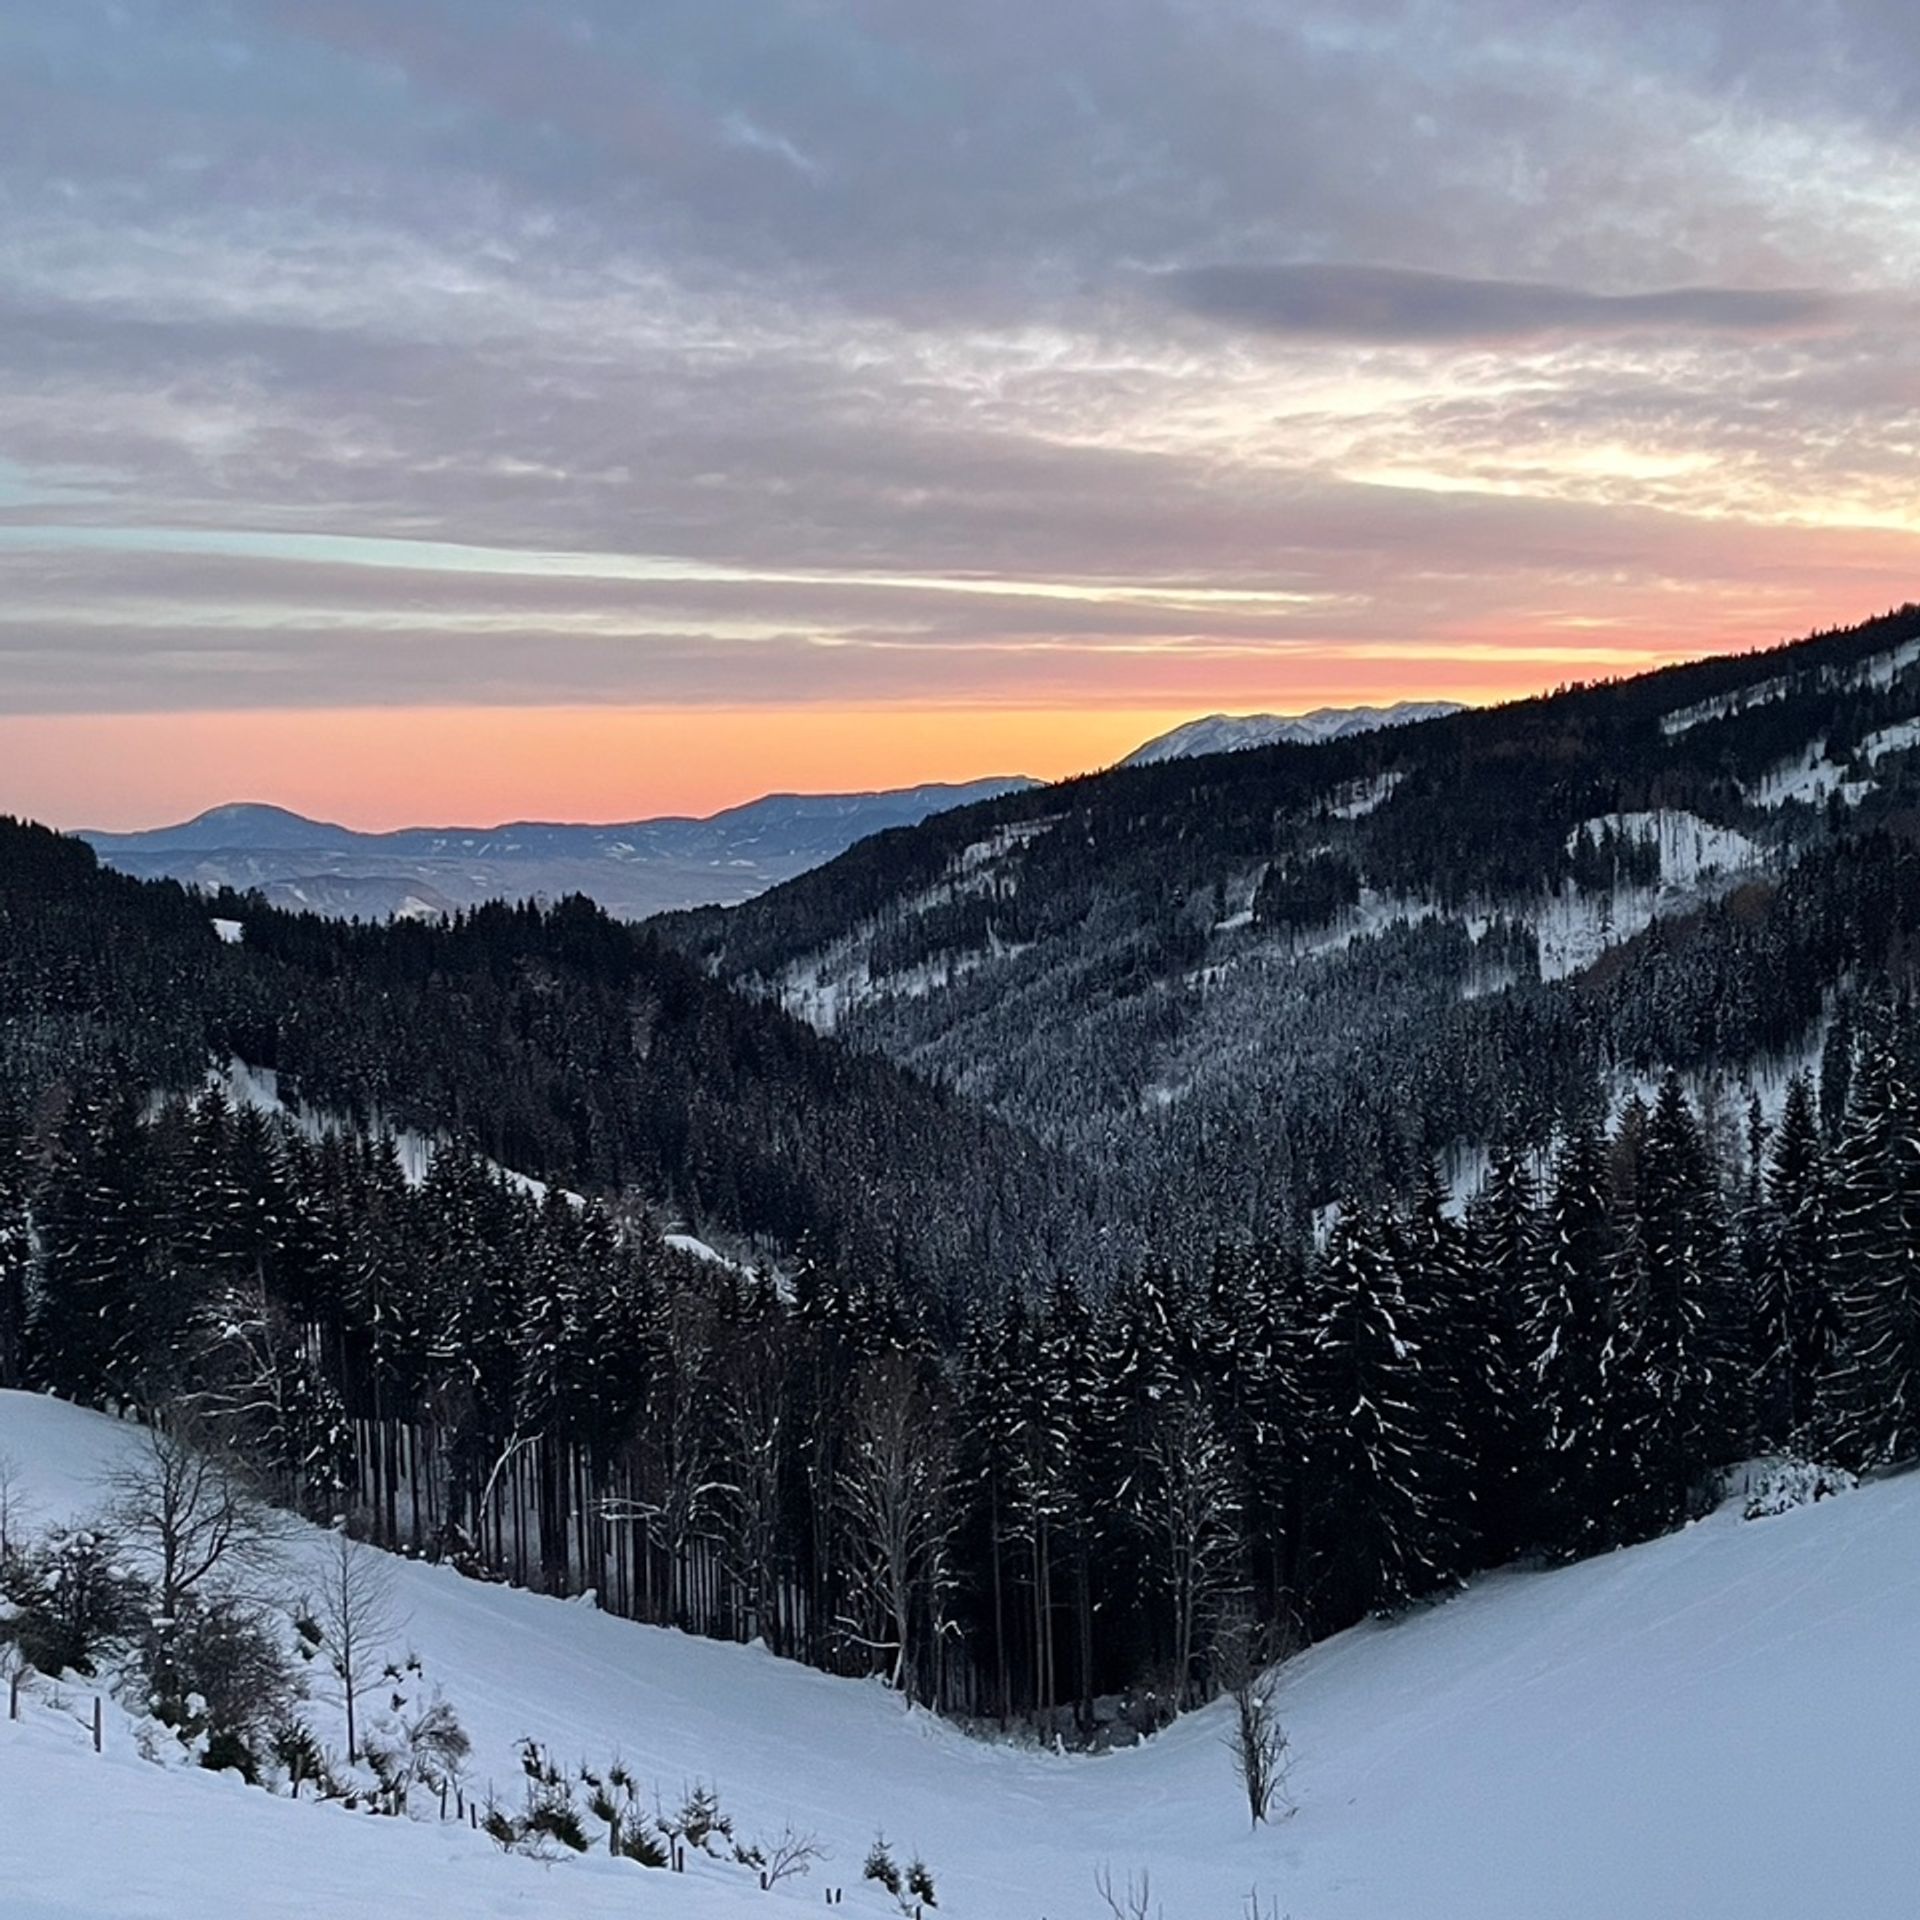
x=1134, y=1901
x=352, y=1615
x=789, y=1856
x=15, y=1514
x=894, y=1488
x=1190, y=1510
x=753, y=1418
x=1245, y=1663
x=188, y=1509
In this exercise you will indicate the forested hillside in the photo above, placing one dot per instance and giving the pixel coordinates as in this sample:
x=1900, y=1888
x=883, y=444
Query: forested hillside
x=1236, y=986
x=1132, y=1492
x=557, y=1041
x=1023, y=1427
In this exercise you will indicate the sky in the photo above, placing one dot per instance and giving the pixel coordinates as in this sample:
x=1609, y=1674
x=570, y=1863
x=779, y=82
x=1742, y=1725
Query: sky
x=468, y=409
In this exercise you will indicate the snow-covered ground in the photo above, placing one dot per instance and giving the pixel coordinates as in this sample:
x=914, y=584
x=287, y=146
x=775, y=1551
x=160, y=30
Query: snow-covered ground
x=1902, y=736
x=1719, y=1726
x=1697, y=861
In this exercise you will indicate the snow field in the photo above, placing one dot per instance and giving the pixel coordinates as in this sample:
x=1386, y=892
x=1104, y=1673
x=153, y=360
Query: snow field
x=1720, y=1725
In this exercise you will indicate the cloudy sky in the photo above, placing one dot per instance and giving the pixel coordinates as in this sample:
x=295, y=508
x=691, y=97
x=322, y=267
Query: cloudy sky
x=466, y=408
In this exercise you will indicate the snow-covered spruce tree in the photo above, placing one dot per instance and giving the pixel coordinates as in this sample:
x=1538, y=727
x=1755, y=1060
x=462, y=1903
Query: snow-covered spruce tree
x=388, y=1340
x=1070, y=1361
x=1564, y=1342
x=1246, y=1356
x=1143, y=1361
x=1675, y=1307
x=1871, y=1412
x=557, y=1378
x=73, y=1599
x=1462, y=1384
x=260, y=1389
x=680, y=1471
x=97, y=1331
x=16, y=1241
x=218, y=1672
x=469, y=1248
x=1836, y=1067
x=1371, y=1522
x=1498, y=1428
x=1796, y=1315
x=881, y=1867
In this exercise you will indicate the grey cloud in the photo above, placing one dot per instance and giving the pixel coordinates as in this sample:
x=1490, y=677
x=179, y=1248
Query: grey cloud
x=1311, y=300
x=851, y=286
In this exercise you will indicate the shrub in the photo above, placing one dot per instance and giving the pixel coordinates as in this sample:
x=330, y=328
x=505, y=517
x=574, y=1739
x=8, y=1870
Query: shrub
x=554, y=1815
x=701, y=1817
x=220, y=1669
x=640, y=1843
x=292, y=1746
x=72, y=1600
x=226, y=1752
x=920, y=1882
x=880, y=1866
x=1778, y=1486
x=433, y=1745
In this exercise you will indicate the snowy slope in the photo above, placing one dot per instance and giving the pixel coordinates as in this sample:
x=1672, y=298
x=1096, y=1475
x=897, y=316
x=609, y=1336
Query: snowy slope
x=1718, y=1726
x=1232, y=732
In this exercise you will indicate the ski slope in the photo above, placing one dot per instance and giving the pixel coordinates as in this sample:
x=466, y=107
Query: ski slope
x=1722, y=1725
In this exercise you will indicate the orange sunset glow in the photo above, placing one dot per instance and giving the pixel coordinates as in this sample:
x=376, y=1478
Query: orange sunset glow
x=375, y=767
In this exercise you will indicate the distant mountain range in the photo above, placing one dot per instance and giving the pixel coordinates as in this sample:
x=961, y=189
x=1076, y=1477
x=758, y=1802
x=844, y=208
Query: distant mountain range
x=1233, y=732
x=634, y=869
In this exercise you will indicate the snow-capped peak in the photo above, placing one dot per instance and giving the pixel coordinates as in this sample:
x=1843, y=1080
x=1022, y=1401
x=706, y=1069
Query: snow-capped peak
x=1233, y=732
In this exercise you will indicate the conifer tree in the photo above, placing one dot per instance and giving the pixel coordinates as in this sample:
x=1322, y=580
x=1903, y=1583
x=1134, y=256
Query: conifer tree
x=1565, y=1343
x=16, y=1243
x=1872, y=1414
x=1499, y=1432
x=1795, y=1317
x=1677, y=1246
x=1372, y=1521
x=96, y=1307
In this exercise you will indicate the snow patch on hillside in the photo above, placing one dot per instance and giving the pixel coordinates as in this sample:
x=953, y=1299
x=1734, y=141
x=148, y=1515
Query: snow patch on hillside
x=1358, y=798
x=1879, y=670
x=1883, y=669
x=1760, y=694
x=1003, y=840
x=1807, y=778
x=823, y=991
x=1691, y=849
x=1898, y=738
x=259, y=1088
x=1698, y=861
x=699, y=1249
